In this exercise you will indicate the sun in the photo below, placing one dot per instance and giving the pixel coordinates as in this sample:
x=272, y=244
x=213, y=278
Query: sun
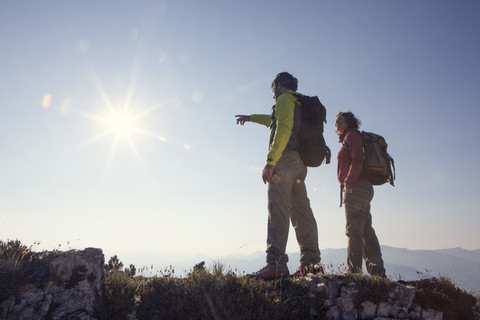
x=120, y=124
x=121, y=120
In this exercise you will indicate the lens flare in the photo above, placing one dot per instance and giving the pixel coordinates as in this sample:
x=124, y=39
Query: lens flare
x=47, y=100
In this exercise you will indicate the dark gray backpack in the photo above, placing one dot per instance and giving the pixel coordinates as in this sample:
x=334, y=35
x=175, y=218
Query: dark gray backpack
x=313, y=149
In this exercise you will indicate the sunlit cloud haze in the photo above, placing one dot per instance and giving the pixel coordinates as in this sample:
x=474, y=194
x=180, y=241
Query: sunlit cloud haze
x=117, y=125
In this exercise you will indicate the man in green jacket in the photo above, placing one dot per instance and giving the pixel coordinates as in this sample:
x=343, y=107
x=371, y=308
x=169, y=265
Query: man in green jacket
x=287, y=194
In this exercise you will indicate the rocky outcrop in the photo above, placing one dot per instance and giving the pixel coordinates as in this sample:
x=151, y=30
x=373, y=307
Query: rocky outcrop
x=347, y=300
x=71, y=293
x=74, y=288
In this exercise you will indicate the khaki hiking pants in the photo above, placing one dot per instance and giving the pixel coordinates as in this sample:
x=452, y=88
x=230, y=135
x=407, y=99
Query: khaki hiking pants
x=288, y=201
x=362, y=240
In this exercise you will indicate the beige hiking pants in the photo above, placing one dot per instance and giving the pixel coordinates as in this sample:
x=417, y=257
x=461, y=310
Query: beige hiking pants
x=362, y=240
x=288, y=201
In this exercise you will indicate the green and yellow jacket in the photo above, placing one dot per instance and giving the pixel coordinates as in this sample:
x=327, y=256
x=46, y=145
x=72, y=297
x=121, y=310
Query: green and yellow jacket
x=284, y=123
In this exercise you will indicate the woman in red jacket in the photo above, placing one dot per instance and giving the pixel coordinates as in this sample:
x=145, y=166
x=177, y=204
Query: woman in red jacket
x=357, y=195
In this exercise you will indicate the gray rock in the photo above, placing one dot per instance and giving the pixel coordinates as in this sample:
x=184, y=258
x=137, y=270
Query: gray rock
x=131, y=316
x=430, y=314
x=345, y=303
x=45, y=305
x=28, y=312
x=33, y=296
x=415, y=312
x=349, y=290
x=369, y=310
x=59, y=313
x=75, y=298
x=333, y=289
x=383, y=310
x=349, y=314
x=476, y=310
x=322, y=289
x=403, y=295
x=7, y=306
x=403, y=313
x=333, y=313
x=19, y=306
x=394, y=311
x=328, y=303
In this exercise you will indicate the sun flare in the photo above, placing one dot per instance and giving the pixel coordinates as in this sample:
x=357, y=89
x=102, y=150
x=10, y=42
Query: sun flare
x=123, y=126
x=121, y=120
x=120, y=124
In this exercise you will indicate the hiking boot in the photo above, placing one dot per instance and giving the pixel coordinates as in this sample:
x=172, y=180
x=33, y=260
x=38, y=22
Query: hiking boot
x=312, y=268
x=270, y=273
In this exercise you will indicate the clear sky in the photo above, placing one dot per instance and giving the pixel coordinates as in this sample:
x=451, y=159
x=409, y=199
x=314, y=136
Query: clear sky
x=174, y=176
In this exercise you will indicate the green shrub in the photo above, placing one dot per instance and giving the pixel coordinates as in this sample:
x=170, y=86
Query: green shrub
x=442, y=295
x=119, y=295
x=203, y=295
x=19, y=265
x=373, y=289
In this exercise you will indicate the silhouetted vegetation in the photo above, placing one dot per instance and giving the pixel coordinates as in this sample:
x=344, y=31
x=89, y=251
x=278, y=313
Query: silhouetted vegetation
x=20, y=265
x=216, y=293
x=442, y=295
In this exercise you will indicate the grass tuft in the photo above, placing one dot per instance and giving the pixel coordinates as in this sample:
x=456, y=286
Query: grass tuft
x=442, y=294
x=21, y=266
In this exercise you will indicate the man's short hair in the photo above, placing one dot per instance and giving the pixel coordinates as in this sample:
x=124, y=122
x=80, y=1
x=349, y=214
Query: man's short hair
x=286, y=80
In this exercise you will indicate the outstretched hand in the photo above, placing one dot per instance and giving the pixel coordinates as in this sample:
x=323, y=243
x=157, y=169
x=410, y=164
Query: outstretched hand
x=242, y=119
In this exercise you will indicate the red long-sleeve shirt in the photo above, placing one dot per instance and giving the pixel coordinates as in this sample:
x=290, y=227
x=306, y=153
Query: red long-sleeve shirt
x=350, y=160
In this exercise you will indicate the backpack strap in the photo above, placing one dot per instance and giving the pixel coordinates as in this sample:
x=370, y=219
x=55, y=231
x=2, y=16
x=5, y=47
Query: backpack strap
x=341, y=195
x=328, y=155
x=345, y=143
x=391, y=170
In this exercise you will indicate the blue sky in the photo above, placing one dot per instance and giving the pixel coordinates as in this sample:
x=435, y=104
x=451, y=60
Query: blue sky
x=182, y=179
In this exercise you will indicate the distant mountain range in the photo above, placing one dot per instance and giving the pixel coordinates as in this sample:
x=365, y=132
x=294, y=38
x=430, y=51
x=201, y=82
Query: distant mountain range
x=460, y=265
